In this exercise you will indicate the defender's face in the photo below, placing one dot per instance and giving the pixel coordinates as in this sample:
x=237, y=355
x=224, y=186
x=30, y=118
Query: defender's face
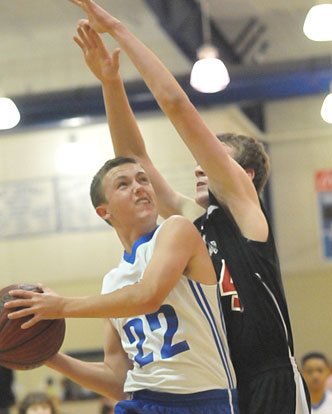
x=315, y=372
x=129, y=194
x=202, y=187
x=202, y=181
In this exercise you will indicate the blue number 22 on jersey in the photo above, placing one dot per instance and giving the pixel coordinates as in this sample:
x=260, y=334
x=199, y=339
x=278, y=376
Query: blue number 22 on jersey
x=168, y=349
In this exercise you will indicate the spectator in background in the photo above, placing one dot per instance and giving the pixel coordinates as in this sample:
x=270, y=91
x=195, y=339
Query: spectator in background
x=107, y=406
x=7, y=397
x=328, y=384
x=315, y=370
x=37, y=403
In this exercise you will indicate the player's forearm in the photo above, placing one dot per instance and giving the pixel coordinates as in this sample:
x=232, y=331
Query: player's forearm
x=204, y=146
x=92, y=375
x=129, y=301
x=159, y=80
x=126, y=137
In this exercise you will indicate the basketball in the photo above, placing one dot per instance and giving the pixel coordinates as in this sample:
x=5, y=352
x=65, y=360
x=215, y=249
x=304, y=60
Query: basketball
x=23, y=349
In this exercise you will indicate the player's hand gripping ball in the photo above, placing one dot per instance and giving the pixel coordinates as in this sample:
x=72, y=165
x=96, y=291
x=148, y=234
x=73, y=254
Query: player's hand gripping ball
x=24, y=349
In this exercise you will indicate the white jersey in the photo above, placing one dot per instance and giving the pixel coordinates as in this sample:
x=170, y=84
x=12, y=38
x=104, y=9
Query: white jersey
x=325, y=406
x=182, y=347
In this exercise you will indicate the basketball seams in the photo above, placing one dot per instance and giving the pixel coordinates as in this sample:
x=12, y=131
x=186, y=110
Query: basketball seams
x=27, y=348
x=10, y=362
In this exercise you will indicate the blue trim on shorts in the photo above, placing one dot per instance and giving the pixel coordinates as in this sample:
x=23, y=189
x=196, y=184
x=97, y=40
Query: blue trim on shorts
x=219, y=401
x=178, y=399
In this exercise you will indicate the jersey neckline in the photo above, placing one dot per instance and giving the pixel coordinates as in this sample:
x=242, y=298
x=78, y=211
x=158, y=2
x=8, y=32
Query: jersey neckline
x=130, y=258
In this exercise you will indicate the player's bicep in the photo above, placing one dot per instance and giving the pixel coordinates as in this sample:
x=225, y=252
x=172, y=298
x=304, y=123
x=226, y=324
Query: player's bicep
x=174, y=248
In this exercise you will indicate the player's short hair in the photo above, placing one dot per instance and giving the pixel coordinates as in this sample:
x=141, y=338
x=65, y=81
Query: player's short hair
x=97, y=193
x=314, y=355
x=34, y=398
x=249, y=153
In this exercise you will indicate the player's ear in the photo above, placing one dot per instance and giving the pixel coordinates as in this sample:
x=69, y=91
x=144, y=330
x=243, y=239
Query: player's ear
x=103, y=213
x=251, y=173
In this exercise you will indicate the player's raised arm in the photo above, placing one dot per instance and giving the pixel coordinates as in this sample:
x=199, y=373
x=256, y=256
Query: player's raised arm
x=126, y=136
x=228, y=181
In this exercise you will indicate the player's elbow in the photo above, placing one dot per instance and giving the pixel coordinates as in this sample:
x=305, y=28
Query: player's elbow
x=149, y=295
x=172, y=100
x=116, y=393
x=151, y=305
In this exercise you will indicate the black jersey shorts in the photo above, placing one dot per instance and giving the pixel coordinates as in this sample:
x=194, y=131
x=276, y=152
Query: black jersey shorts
x=277, y=390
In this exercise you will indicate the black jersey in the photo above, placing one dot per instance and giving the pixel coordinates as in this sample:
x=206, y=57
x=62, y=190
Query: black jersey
x=253, y=299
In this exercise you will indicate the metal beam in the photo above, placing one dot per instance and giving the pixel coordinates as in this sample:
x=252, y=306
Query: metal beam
x=182, y=20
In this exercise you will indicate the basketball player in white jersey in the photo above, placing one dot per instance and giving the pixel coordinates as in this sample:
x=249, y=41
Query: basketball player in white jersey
x=164, y=330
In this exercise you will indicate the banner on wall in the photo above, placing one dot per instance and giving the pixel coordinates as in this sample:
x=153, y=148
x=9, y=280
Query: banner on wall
x=323, y=184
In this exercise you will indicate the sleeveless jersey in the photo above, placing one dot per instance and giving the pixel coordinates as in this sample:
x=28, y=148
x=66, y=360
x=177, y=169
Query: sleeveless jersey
x=182, y=347
x=324, y=406
x=253, y=300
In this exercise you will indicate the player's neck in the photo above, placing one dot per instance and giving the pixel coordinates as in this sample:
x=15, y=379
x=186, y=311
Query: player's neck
x=316, y=397
x=129, y=236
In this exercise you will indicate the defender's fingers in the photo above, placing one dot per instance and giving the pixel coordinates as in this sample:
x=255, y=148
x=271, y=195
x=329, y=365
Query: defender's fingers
x=83, y=22
x=116, y=55
x=76, y=2
x=91, y=35
x=84, y=38
x=80, y=43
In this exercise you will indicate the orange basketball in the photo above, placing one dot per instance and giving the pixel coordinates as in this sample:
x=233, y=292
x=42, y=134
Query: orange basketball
x=24, y=349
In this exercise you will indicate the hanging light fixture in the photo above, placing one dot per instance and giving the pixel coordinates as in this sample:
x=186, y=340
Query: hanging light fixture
x=317, y=25
x=326, y=111
x=9, y=114
x=209, y=74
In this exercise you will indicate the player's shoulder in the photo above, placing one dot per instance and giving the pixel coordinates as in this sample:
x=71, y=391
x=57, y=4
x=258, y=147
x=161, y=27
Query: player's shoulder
x=178, y=221
x=177, y=226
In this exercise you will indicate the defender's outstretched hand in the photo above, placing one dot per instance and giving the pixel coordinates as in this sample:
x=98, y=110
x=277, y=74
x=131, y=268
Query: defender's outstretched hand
x=101, y=63
x=99, y=19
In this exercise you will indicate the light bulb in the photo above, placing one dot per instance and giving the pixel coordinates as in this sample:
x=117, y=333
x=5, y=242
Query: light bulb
x=317, y=25
x=9, y=114
x=209, y=74
x=326, y=111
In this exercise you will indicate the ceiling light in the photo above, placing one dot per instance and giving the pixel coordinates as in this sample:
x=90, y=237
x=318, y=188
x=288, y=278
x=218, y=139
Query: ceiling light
x=326, y=111
x=209, y=74
x=317, y=25
x=9, y=114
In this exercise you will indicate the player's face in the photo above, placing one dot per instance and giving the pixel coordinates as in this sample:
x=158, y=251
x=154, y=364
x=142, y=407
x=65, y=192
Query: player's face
x=130, y=196
x=315, y=372
x=39, y=409
x=202, y=182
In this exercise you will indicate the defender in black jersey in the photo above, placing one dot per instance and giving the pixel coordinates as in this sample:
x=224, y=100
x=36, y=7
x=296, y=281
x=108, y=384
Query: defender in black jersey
x=234, y=227
x=256, y=316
